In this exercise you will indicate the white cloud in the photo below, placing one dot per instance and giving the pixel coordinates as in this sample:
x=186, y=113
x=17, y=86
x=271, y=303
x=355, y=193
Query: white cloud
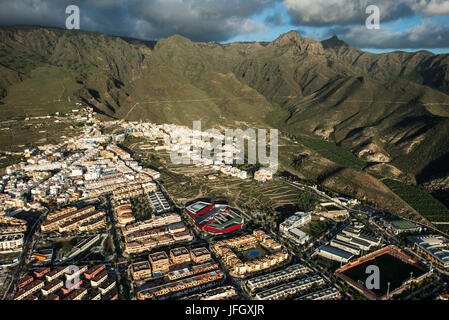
x=424, y=35
x=432, y=7
x=331, y=12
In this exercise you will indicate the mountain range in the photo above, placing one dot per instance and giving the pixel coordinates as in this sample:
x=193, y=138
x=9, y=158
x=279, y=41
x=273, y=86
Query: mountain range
x=390, y=110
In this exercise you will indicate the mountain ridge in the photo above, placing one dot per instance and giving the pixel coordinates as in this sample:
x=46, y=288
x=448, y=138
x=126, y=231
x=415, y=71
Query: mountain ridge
x=390, y=109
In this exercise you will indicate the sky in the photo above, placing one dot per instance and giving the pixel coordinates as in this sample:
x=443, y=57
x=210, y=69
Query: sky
x=408, y=25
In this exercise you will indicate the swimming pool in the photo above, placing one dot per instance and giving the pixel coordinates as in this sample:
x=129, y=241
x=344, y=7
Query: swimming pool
x=254, y=253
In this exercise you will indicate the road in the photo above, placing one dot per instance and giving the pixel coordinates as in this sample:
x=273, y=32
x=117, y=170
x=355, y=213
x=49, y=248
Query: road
x=28, y=245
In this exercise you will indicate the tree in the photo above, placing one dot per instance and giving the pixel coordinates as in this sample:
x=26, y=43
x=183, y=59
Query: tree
x=307, y=201
x=66, y=248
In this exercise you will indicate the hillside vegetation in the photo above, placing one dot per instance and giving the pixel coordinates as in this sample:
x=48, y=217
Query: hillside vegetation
x=346, y=108
x=420, y=200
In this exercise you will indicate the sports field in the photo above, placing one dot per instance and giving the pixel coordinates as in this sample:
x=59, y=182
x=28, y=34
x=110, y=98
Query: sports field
x=392, y=270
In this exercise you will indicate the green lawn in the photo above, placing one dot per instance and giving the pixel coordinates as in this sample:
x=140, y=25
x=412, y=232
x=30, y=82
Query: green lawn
x=315, y=228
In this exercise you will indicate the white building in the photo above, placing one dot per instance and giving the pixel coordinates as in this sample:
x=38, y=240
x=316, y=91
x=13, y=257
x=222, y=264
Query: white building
x=297, y=235
x=263, y=175
x=297, y=220
x=12, y=241
x=76, y=172
x=290, y=227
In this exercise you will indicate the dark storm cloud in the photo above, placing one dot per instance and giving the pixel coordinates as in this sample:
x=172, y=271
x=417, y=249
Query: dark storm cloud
x=203, y=20
x=346, y=18
x=274, y=19
x=37, y=12
x=424, y=35
x=221, y=20
x=344, y=12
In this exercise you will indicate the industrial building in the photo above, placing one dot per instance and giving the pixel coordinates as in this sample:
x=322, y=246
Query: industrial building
x=334, y=253
x=398, y=226
x=435, y=248
x=347, y=246
x=357, y=233
x=351, y=241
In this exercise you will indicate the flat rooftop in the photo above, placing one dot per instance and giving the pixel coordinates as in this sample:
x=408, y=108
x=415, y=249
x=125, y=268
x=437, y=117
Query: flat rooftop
x=197, y=206
x=138, y=266
x=219, y=216
x=179, y=251
x=337, y=252
x=198, y=252
x=157, y=256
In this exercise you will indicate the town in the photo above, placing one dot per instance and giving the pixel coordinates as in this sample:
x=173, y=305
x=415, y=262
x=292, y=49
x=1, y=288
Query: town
x=105, y=215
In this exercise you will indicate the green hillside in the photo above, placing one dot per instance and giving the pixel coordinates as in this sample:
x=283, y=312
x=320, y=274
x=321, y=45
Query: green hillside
x=347, y=108
x=420, y=200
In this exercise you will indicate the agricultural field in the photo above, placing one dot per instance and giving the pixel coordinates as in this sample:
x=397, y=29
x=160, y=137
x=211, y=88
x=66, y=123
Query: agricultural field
x=188, y=182
x=420, y=200
x=8, y=160
x=17, y=135
x=332, y=152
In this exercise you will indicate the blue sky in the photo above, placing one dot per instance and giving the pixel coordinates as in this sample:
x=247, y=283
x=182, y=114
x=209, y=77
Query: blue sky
x=408, y=25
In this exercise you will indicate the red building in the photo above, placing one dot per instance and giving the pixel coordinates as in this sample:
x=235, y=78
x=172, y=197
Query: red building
x=214, y=218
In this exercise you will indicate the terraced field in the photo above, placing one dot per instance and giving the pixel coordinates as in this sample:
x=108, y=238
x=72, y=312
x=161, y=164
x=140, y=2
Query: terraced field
x=188, y=182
